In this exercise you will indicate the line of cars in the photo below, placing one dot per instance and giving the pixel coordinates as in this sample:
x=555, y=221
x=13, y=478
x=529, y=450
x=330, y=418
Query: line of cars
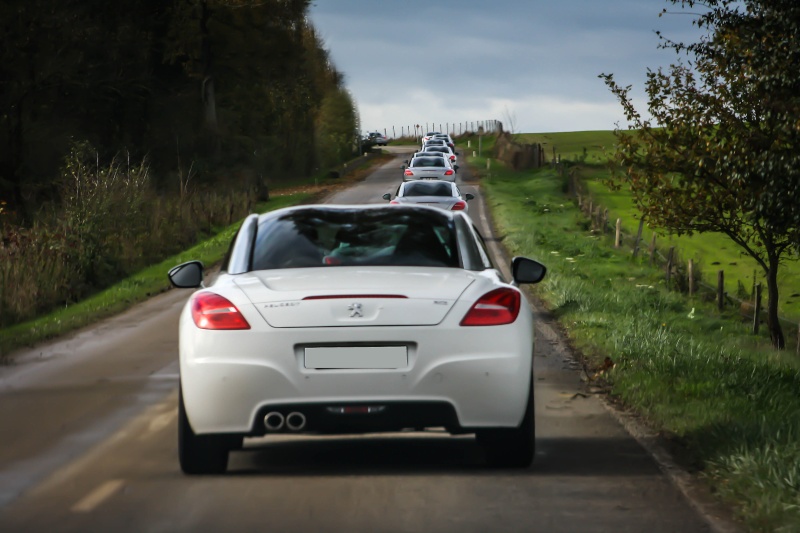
x=327, y=319
x=429, y=176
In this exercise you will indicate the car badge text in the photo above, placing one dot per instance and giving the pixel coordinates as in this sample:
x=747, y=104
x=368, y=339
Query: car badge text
x=355, y=310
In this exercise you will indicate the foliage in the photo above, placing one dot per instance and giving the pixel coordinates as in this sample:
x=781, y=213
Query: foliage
x=114, y=299
x=724, y=153
x=337, y=127
x=225, y=84
x=110, y=224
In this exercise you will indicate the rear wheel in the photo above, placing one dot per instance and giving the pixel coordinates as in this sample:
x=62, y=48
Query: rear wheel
x=199, y=454
x=511, y=447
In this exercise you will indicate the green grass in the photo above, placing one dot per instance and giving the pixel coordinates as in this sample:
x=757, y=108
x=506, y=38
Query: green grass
x=122, y=295
x=588, y=150
x=724, y=398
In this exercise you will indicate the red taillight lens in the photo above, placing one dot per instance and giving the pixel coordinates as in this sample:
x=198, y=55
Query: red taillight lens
x=395, y=202
x=459, y=206
x=212, y=311
x=408, y=173
x=500, y=306
x=448, y=172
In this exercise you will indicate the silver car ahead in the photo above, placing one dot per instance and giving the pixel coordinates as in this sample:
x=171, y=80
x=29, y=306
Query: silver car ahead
x=435, y=193
x=434, y=167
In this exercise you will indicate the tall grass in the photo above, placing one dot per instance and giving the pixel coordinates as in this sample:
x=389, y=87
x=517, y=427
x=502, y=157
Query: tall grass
x=720, y=395
x=109, y=223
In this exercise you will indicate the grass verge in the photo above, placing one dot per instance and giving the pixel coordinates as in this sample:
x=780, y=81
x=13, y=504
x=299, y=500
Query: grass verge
x=721, y=397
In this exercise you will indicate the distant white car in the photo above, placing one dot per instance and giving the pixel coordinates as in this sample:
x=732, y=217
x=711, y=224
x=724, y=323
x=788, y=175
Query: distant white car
x=429, y=135
x=353, y=319
x=433, y=166
x=435, y=193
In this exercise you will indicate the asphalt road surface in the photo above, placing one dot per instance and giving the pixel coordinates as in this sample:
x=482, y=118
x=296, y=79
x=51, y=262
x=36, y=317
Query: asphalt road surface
x=89, y=443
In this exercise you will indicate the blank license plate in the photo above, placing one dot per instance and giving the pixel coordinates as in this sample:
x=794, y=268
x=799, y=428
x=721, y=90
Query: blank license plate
x=357, y=357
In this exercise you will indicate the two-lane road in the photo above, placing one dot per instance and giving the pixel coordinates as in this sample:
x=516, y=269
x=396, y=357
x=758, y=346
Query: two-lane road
x=89, y=444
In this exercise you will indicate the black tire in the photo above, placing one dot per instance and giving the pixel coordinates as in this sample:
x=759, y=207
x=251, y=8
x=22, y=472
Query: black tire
x=511, y=448
x=199, y=454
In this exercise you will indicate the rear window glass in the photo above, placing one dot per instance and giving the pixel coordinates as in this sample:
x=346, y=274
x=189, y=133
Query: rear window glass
x=427, y=188
x=330, y=238
x=427, y=162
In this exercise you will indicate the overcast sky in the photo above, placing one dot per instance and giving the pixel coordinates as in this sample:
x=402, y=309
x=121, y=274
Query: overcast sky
x=535, y=62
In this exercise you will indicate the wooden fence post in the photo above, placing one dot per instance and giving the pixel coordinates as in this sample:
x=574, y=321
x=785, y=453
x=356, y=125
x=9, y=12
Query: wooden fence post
x=670, y=255
x=653, y=249
x=605, y=221
x=757, y=310
x=720, y=290
x=618, y=234
x=690, y=268
x=638, y=238
x=591, y=208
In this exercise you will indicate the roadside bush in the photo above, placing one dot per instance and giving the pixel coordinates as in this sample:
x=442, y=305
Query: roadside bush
x=109, y=224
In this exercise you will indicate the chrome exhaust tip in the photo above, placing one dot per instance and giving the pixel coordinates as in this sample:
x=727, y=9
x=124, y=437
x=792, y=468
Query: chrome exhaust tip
x=295, y=421
x=274, y=421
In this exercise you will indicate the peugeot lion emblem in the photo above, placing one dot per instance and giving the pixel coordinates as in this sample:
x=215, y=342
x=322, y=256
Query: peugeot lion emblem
x=355, y=310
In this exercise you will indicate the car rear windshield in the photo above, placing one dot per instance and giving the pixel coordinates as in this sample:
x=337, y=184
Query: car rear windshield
x=427, y=162
x=427, y=188
x=329, y=238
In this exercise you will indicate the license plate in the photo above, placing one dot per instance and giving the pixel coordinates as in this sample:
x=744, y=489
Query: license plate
x=378, y=357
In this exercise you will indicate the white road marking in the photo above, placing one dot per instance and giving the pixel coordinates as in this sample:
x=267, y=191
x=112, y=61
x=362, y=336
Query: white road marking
x=158, y=423
x=98, y=496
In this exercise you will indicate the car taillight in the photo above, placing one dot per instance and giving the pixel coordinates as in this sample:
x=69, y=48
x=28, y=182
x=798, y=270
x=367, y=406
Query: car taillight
x=500, y=306
x=408, y=173
x=452, y=158
x=212, y=311
x=395, y=202
x=448, y=172
x=459, y=206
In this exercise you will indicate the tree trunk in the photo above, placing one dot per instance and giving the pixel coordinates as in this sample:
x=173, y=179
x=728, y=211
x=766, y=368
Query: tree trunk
x=207, y=85
x=773, y=323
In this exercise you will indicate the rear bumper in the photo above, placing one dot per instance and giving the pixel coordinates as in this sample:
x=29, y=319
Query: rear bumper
x=462, y=378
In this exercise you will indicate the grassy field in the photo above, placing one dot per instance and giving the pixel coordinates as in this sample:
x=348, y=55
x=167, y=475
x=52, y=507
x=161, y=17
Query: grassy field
x=710, y=252
x=724, y=401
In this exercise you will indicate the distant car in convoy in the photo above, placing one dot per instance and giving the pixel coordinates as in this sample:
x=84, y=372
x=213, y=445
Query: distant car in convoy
x=435, y=193
x=355, y=319
x=433, y=142
x=447, y=139
x=434, y=166
x=444, y=150
x=377, y=138
x=429, y=135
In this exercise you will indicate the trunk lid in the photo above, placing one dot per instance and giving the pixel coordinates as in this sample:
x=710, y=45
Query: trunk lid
x=354, y=296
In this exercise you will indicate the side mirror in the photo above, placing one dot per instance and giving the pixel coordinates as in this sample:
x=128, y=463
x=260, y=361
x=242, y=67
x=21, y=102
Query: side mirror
x=525, y=270
x=469, y=196
x=457, y=153
x=387, y=196
x=402, y=167
x=455, y=167
x=187, y=275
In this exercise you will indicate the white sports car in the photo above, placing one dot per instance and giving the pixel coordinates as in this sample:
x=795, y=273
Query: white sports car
x=351, y=319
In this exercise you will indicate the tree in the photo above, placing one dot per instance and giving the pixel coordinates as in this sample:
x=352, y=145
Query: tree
x=722, y=153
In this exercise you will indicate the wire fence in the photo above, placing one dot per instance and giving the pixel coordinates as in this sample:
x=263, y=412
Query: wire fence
x=679, y=275
x=419, y=129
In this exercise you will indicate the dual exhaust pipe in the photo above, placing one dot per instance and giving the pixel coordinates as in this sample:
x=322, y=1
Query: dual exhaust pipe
x=294, y=421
